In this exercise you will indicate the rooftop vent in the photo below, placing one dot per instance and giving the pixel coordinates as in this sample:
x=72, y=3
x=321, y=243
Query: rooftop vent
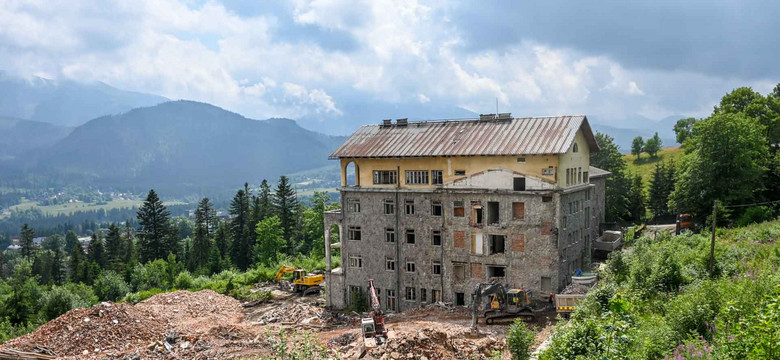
x=387, y=122
x=487, y=116
x=504, y=116
x=402, y=122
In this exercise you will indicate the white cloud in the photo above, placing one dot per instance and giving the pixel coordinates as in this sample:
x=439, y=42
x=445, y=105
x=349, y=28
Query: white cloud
x=406, y=51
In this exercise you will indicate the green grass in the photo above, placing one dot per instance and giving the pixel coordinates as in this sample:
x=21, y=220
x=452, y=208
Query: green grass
x=645, y=165
x=69, y=208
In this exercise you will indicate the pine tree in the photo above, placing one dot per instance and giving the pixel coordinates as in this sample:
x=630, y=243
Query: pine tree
x=57, y=274
x=114, y=249
x=262, y=206
x=241, y=251
x=77, y=261
x=26, y=241
x=636, y=198
x=657, y=196
x=201, y=243
x=53, y=243
x=286, y=205
x=128, y=246
x=71, y=241
x=154, y=231
x=96, y=250
x=222, y=239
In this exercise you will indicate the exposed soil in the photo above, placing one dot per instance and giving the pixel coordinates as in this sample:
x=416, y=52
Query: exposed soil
x=207, y=325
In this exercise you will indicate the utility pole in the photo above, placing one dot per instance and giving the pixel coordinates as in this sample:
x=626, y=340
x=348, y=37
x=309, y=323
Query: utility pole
x=712, y=244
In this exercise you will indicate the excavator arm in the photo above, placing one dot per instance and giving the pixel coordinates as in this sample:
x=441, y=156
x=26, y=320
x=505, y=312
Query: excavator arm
x=480, y=291
x=283, y=270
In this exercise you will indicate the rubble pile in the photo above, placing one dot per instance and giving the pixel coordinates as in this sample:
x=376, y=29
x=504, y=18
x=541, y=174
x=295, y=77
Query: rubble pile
x=101, y=331
x=294, y=313
x=193, y=311
x=575, y=289
x=433, y=344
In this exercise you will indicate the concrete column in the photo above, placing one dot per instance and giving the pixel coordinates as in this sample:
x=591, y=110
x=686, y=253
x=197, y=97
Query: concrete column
x=327, y=248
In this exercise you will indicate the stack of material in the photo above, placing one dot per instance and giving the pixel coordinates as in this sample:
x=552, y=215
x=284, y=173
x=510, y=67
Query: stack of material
x=104, y=330
x=575, y=289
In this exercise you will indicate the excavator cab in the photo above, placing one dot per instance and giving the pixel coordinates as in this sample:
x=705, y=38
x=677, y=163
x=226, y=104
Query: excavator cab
x=495, y=302
x=518, y=297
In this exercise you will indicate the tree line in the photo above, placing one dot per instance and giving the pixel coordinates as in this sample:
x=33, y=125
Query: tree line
x=731, y=156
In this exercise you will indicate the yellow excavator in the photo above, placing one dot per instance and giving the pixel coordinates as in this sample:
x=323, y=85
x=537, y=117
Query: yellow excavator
x=302, y=282
x=504, y=304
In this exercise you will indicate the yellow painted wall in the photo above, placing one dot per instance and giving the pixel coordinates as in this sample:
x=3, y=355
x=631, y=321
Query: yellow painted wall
x=580, y=159
x=532, y=166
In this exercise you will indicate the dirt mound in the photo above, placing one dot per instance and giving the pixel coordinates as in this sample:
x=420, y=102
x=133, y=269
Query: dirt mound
x=578, y=289
x=105, y=330
x=199, y=311
x=434, y=344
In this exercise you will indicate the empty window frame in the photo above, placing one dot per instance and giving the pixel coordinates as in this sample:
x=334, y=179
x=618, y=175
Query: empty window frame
x=547, y=172
x=411, y=295
x=390, y=264
x=579, y=175
x=585, y=177
x=353, y=233
x=385, y=177
x=436, y=268
x=410, y=267
x=476, y=243
x=435, y=296
x=521, y=159
x=518, y=210
x=353, y=291
x=409, y=206
x=496, y=271
x=389, y=206
x=460, y=172
x=546, y=199
x=587, y=217
x=437, y=177
x=390, y=299
x=436, y=208
x=355, y=261
x=417, y=177
x=575, y=148
x=460, y=299
x=459, y=271
x=476, y=213
x=518, y=184
x=587, y=194
x=389, y=235
x=493, y=212
x=458, y=210
x=436, y=237
x=423, y=295
x=410, y=237
x=497, y=244
x=353, y=205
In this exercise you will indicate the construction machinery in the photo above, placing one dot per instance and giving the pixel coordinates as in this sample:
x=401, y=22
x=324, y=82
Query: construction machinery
x=684, y=222
x=302, y=282
x=504, y=304
x=373, y=327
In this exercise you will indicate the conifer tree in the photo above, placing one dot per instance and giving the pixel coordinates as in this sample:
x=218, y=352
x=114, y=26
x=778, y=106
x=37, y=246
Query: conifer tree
x=26, y=241
x=222, y=239
x=57, y=274
x=71, y=241
x=286, y=205
x=241, y=251
x=96, y=250
x=262, y=206
x=114, y=249
x=636, y=198
x=154, y=231
x=128, y=246
x=201, y=243
x=657, y=196
x=77, y=261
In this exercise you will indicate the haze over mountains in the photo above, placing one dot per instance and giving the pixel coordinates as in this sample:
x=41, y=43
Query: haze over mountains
x=94, y=134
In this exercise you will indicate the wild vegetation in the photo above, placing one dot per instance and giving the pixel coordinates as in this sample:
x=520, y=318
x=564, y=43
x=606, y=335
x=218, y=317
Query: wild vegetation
x=160, y=254
x=658, y=300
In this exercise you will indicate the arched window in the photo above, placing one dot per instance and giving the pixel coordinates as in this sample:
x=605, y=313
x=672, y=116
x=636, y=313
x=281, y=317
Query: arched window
x=351, y=174
x=575, y=148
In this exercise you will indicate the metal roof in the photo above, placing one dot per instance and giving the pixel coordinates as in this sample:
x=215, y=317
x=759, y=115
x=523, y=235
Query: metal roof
x=517, y=136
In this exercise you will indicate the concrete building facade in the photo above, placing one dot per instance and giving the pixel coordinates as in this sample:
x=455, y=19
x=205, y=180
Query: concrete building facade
x=435, y=208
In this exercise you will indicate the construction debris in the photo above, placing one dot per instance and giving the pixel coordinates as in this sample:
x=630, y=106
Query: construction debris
x=576, y=289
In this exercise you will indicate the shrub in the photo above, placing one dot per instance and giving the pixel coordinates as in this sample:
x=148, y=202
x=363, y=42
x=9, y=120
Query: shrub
x=693, y=311
x=755, y=214
x=110, y=286
x=184, y=281
x=9, y=331
x=519, y=340
x=294, y=345
x=84, y=292
x=58, y=301
x=579, y=339
x=142, y=295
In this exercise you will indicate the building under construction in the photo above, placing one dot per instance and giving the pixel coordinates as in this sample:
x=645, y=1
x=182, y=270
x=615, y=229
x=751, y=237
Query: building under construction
x=431, y=209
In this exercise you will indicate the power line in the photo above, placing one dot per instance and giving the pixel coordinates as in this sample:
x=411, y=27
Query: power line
x=754, y=204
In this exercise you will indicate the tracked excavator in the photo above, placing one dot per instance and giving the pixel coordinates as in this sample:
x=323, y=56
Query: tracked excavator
x=303, y=282
x=504, y=304
x=373, y=327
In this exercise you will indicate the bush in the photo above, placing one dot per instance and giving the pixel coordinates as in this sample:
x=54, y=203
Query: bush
x=110, y=286
x=358, y=302
x=142, y=295
x=58, y=301
x=184, y=281
x=519, y=340
x=693, y=311
x=581, y=339
x=9, y=331
x=755, y=214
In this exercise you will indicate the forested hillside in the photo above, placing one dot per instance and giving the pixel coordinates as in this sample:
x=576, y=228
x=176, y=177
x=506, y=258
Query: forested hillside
x=18, y=136
x=182, y=145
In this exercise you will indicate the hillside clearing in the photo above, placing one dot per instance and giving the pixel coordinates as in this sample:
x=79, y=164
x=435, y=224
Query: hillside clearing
x=645, y=165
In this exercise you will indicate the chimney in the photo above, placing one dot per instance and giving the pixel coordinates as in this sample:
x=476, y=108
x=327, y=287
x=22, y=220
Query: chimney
x=504, y=116
x=387, y=122
x=402, y=122
x=483, y=117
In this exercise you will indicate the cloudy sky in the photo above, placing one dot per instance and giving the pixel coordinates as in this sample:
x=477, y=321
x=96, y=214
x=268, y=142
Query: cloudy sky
x=337, y=64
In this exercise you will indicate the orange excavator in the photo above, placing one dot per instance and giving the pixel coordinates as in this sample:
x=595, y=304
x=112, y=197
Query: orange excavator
x=374, y=332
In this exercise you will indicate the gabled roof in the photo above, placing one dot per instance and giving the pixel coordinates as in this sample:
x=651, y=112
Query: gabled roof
x=515, y=136
x=595, y=172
